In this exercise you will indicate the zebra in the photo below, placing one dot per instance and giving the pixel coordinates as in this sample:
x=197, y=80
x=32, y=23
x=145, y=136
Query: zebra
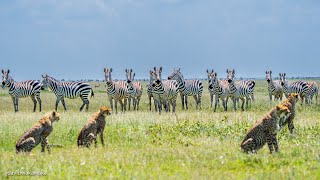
x=135, y=91
x=211, y=91
x=313, y=89
x=150, y=90
x=274, y=87
x=299, y=87
x=21, y=90
x=241, y=89
x=164, y=92
x=69, y=90
x=117, y=91
x=187, y=88
x=220, y=88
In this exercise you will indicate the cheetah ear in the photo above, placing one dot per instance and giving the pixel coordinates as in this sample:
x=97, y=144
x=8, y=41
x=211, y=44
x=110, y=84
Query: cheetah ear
x=278, y=107
x=54, y=113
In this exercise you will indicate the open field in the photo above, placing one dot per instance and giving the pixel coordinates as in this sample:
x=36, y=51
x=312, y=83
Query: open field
x=191, y=144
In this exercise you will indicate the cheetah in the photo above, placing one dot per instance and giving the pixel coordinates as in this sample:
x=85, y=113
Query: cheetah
x=95, y=125
x=265, y=131
x=38, y=133
x=290, y=102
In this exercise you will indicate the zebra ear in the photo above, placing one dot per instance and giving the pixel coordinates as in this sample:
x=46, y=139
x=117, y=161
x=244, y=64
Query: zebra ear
x=233, y=71
x=2, y=71
x=8, y=71
x=270, y=72
x=154, y=68
x=104, y=70
x=130, y=70
x=43, y=76
x=208, y=71
x=284, y=74
x=160, y=68
x=215, y=74
x=179, y=69
x=110, y=69
x=227, y=70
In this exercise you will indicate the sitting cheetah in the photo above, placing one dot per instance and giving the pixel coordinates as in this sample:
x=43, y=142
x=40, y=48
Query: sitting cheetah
x=290, y=102
x=265, y=130
x=94, y=126
x=38, y=134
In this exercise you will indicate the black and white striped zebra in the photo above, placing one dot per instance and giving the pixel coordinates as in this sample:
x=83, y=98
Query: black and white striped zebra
x=211, y=91
x=135, y=90
x=150, y=90
x=187, y=88
x=241, y=89
x=299, y=87
x=164, y=91
x=274, y=87
x=117, y=91
x=220, y=89
x=69, y=90
x=313, y=90
x=21, y=90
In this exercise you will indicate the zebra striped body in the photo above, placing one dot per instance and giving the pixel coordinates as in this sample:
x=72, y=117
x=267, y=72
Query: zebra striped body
x=220, y=88
x=135, y=91
x=164, y=92
x=240, y=89
x=187, y=88
x=274, y=87
x=21, y=90
x=69, y=90
x=313, y=89
x=299, y=87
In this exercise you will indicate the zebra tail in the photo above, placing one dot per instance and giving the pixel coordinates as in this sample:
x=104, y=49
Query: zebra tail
x=92, y=94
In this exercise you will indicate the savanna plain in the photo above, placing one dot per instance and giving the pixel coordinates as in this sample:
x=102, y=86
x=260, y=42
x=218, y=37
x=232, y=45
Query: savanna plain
x=190, y=144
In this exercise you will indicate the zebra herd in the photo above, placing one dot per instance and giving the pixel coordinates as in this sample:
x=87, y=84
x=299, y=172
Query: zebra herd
x=163, y=91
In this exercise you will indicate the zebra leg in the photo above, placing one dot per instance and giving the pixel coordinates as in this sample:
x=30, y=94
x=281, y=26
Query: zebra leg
x=17, y=104
x=57, y=103
x=211, y=99
x=34, y=102
x=125, y=104
x=182, y=100
x=199, y=101
x=216, y=103
x=116, y=104
x=247, y=102
x=234, y=104
x=149, y=97
x=242, y=105
x=186, y=101
x=64, y=104
x=39, y=101
x=129, y=102
x=138, y=102
x=111, y=103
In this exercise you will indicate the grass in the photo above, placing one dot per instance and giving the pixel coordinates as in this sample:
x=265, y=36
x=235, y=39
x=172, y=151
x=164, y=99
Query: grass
x=189, y=145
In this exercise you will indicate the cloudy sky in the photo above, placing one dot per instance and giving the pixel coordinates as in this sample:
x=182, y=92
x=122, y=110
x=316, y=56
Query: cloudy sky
x=75, y=39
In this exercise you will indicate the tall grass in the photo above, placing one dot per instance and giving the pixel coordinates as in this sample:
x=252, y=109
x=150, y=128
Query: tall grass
x=189, y=144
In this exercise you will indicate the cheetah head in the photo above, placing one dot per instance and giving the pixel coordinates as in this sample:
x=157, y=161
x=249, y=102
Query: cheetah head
x=54, y=116
x=105, y=110
x=293, y=97
x=282, y=113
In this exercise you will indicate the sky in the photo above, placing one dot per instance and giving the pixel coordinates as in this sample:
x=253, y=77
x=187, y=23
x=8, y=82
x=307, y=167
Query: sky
x=76, y=39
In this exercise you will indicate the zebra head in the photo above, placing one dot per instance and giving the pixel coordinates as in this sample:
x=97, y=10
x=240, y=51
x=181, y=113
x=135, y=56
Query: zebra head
x=211, y=78
x=157, y=76
x=175, y=75
x=107, y=75
x=6, y=78
x=282, y=78
x=230, y=75
x=268, y=76
x=45, y=81
x=130, y=78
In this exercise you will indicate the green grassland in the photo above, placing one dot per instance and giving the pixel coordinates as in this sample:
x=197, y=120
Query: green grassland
x=196, y=144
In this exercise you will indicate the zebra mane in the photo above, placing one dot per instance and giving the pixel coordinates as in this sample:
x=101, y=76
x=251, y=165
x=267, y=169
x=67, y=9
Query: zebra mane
x=52, y=78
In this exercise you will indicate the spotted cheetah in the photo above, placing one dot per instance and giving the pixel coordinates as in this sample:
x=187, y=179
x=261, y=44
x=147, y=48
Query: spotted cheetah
x=38, y=133
x=290, y=102
x=265, y=131
x=94, y=126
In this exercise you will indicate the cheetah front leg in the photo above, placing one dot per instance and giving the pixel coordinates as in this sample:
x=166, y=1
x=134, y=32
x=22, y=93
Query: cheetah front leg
x=272, y=142
x=44, y=144
x=101, y=138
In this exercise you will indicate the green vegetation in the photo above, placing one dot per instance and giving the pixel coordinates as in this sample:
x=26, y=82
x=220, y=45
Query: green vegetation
x=191, y=144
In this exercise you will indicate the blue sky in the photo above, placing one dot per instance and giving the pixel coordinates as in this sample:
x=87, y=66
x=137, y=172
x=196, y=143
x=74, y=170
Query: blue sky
x=76, y=39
